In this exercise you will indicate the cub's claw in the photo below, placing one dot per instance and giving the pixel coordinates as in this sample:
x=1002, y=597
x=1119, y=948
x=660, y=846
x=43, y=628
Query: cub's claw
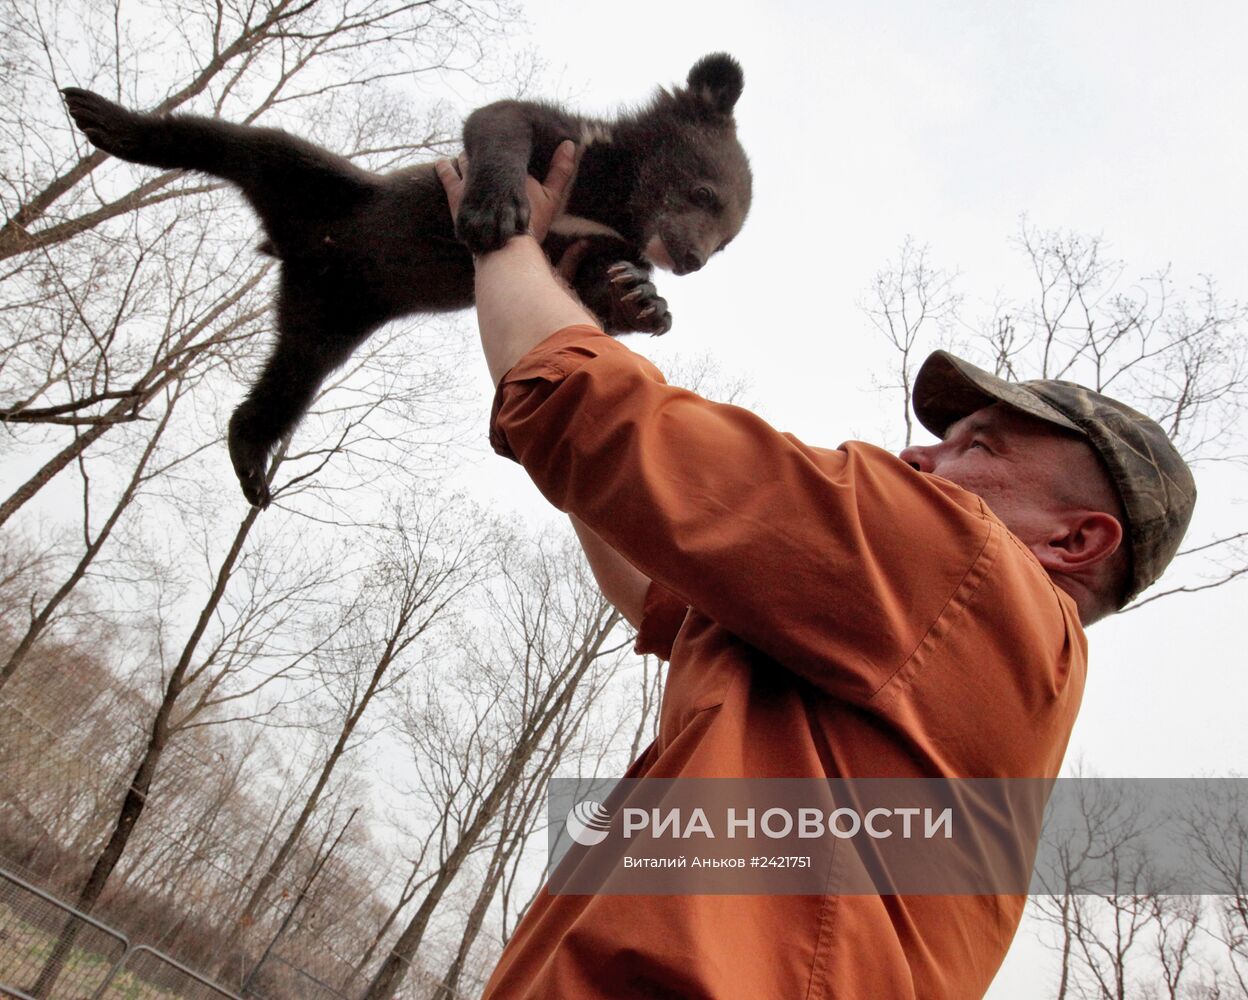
x=635, y=303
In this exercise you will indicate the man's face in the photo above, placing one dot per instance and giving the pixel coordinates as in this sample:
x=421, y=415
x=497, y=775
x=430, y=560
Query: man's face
x=1019, y=466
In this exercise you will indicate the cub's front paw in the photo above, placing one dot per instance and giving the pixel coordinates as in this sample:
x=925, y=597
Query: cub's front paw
x=636, y=305
x=109, y=126
x=490, y=215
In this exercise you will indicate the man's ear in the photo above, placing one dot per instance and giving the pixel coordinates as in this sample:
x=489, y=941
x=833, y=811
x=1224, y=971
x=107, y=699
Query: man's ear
x=1083, y=540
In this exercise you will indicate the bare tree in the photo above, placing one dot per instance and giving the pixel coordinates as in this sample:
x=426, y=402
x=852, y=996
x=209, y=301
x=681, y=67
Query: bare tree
x=97, y=386
x=131, y=307
x=910, y=299
x=1113, y=857
x=1181, y=359
x=520, y=819
x=1102, y=896
x=651, y=685
x=94, y=537
x=117, y=281
x=119, y=291
x=1217, y=833
x=424, y=562
x=477, y=742
x=301, y=56
x=185, y=673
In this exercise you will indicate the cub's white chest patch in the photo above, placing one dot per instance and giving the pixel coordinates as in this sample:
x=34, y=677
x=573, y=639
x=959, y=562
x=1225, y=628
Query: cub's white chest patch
x=592, y=132
x=575, y=225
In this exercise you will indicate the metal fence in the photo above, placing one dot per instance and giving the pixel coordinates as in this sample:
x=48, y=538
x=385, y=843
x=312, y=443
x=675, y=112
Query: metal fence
x=98, y=962
x=93, y=961
x=31, y=924
x=146, y=974
x=298, y=982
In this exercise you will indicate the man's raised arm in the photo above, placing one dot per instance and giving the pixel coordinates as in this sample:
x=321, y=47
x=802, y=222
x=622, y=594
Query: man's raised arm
x=520, y=302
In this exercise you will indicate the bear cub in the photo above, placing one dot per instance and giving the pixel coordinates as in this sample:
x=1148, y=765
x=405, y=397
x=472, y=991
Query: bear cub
x=667, y=186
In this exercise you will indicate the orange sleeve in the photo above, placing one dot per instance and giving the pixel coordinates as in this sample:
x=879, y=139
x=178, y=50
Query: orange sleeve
x=833, y=563
x=662, y=614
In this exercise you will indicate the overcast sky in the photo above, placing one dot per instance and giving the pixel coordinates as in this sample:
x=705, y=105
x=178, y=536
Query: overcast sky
x=867, y=122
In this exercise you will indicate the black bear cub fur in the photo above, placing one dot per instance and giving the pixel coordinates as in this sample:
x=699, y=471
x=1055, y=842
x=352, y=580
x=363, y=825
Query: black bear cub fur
x=667, y=185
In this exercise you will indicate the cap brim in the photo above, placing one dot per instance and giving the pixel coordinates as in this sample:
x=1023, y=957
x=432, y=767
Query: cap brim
x=948, y=389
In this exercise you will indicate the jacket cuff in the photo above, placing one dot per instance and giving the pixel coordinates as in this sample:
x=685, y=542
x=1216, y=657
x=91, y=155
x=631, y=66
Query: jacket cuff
x=662, y=615
x=551, y=361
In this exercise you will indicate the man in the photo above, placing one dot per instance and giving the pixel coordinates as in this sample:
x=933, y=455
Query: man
x=826, y=613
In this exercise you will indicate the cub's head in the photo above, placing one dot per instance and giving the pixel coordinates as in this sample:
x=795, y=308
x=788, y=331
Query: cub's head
x=693, y=189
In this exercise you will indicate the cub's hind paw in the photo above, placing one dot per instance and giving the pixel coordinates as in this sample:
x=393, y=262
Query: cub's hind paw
x=255, y=489
x=249, y=460
x=636, y=305
x=109, y=126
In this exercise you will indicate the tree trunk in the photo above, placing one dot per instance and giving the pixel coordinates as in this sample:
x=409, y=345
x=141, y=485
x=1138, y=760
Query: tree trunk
x=284, y=852
x=136, y=795
x=394, y=969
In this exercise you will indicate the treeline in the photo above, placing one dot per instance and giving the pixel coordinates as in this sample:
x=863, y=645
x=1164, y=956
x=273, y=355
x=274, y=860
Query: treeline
x=335, y=840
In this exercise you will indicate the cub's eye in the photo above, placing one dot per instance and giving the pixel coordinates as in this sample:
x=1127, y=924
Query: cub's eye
x=704, y=197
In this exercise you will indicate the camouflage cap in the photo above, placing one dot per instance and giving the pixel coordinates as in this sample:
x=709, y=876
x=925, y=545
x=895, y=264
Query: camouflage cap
x=1153, y=482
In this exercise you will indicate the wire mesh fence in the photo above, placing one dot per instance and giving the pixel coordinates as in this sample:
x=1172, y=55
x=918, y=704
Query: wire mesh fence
x=51, y=951
x=32, y=924
x=146, y=974
x=56, y=798
x=319, y=930
x=291, y=980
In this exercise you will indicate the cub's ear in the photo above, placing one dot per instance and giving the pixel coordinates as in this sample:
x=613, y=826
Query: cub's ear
x=716, y=81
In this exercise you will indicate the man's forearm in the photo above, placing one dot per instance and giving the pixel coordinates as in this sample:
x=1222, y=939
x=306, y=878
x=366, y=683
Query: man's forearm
x=520, y=302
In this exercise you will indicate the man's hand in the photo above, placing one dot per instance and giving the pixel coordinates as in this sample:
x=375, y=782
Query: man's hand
x=520, y=302
x=546, y=199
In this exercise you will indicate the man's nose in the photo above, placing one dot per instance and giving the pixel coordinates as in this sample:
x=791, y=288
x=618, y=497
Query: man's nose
x=920, y=457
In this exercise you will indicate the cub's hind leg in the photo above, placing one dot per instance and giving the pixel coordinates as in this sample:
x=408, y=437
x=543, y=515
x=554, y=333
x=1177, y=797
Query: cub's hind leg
x=288, y=181
x=124, y=133
x=317, y=331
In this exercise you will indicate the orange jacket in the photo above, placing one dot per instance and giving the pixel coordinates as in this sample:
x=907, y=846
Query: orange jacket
x=826, y=613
